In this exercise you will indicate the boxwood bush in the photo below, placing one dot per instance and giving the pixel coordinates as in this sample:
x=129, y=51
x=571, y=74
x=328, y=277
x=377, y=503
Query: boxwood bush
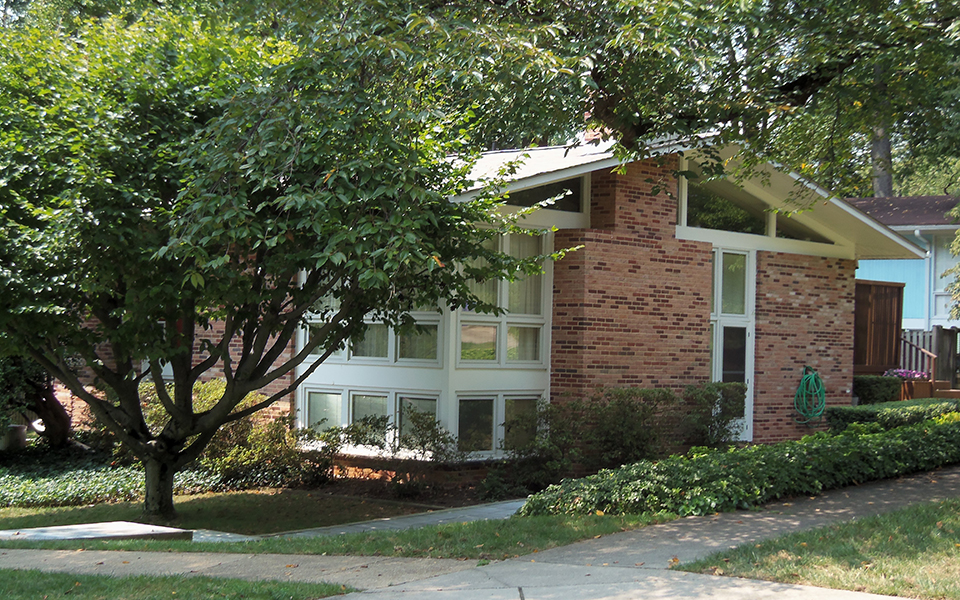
x=706, y=481
x=873, y=389
x=889, y=414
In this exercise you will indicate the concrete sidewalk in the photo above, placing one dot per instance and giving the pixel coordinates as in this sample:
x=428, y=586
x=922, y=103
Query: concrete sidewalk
x=625, y=565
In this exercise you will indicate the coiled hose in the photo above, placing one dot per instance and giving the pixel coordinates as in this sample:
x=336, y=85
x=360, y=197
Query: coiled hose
x=810, y=400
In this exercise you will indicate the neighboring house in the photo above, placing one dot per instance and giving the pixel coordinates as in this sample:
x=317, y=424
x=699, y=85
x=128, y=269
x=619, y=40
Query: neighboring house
x=922, y=220
x=675, y=283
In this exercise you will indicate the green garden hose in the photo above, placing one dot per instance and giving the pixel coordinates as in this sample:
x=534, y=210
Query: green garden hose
x=809, y=399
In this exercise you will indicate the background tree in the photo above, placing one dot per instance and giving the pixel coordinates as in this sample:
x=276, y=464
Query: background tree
x=185, y=192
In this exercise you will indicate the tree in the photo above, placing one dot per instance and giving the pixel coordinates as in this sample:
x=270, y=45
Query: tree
x=184, y=192
x=25, y=386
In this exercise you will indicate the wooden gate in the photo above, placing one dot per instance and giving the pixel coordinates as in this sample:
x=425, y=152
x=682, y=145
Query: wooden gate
x=878, y=314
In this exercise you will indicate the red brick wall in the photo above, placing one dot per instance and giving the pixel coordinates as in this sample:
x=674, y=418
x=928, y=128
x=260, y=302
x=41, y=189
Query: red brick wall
x=632, y=307
x=804, y=317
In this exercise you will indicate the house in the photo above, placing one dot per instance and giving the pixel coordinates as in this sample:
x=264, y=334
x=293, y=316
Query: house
x=922, y=220
x=676, y=282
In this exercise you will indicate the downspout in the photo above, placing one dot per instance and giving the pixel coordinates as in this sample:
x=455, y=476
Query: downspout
x=928, y=282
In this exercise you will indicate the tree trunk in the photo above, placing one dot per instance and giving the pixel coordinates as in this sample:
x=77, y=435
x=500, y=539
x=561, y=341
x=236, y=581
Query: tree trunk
x=158, y=501
x=56, y=420
x=882, y=163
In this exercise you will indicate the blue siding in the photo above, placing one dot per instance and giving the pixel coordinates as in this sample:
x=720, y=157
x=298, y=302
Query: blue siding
x=910, y=272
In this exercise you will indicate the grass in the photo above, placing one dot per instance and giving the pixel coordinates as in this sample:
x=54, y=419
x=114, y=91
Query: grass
x=914, y=552
x=252, y=512
x=481, y=540
x=31, y=585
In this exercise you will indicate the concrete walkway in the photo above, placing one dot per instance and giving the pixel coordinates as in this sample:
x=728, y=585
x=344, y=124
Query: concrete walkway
x=626, y=565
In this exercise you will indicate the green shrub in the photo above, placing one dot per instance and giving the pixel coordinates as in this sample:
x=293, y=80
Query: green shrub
x=874, y=389
x=890, y=414
x=716, y=413
x=706, y=481
x=615, y=426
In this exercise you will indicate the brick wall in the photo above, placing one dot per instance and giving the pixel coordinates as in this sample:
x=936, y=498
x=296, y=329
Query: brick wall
x=632, y=307
x=804, y=317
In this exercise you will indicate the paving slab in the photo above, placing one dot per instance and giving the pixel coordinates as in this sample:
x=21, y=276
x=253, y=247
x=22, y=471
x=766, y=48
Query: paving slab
x=110, y=530
x=361, y=572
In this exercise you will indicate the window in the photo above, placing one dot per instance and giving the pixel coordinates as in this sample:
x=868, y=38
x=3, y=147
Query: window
x=490, y=422
x=374, y=344
x=710, y=209
x=323, y=410
x=475, y=431
x=567, y=195
x=520, y=422
x=408, y=406
x=367, y=405
x=516, y=337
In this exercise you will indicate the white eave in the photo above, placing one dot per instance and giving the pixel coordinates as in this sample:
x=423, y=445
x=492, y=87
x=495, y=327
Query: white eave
x=832, y=218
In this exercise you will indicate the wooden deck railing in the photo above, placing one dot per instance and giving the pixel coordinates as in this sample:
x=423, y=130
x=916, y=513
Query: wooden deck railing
x=916, y=358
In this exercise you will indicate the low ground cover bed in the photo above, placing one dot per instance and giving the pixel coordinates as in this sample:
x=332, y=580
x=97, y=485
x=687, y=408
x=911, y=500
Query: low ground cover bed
x=913, y=553
x=706, y=481
x=890, y=414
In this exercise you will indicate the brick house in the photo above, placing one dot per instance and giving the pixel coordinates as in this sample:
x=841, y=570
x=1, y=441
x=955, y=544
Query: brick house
x=676, y=282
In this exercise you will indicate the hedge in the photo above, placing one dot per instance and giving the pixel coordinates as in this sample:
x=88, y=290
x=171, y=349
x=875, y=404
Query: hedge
x=889, y=414
x=874, y=389
x=707, y=481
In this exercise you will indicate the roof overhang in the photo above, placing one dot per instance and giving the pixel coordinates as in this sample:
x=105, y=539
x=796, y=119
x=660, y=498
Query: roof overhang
x=781, y=190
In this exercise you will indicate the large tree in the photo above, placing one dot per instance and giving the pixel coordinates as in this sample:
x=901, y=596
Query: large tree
x=182, y=191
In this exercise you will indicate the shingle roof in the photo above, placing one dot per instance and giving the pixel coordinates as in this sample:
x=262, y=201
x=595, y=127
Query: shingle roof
x=908, y=210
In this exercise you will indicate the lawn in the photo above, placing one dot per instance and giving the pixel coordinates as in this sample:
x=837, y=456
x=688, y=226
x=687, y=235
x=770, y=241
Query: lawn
x=480, y=540
x=31, y=585
x=251, y=512
x=914, y=553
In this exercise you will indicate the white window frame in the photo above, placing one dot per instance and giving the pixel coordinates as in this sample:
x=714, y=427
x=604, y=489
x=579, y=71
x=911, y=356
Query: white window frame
x=499, y=398
x=719, y=320
x=506, y=320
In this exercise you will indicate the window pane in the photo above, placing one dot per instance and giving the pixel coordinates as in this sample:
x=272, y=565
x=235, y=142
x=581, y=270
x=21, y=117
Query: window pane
x=418, y=344
x=478, y=342
x=568, y=190
x=520, y=423
x=734, y=354
x=368, y=406
x=733, y=291
x=322, y=406
x=410, y=406
x=311, y=332
x=708, y=209
x=523, y=343
x=374, y=343
x=525, y=297
x=487, y=290
x=475, y=431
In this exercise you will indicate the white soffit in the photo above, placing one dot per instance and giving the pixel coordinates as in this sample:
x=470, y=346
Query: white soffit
x=827, y=215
